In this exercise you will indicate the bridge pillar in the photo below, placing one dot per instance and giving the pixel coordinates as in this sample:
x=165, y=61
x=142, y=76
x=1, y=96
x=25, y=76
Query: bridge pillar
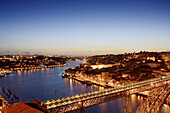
x=80, y=105
x=155, y=100
x=80, y=111
x=126, y=102
x=168, y=104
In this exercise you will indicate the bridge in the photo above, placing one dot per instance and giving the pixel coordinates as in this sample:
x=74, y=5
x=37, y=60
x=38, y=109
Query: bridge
x=79, y=102
x=155, y=100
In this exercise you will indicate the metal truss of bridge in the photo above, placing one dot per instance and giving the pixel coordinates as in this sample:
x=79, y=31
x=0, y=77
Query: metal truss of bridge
x=126, y=102
x=157, y=97
x=79, y=102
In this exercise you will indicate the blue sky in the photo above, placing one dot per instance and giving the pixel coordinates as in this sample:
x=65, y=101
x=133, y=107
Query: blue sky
x=84, y=27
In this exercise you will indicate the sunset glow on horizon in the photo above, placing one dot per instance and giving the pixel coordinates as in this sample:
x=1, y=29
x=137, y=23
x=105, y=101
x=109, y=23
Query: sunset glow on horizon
x=86, y=27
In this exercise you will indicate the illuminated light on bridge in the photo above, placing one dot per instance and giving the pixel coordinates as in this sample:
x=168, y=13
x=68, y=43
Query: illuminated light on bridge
x=89, y=99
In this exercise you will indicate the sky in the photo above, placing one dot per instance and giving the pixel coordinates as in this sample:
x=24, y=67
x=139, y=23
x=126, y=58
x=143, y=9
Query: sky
x=84, y=27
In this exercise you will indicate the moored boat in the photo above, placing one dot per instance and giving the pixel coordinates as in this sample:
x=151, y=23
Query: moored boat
x=3, y=89
x=2, y=75
x=12, y=99
x=15, y=96
x=63, y=76
x=9, y=72
x=7, y=94
x=9, y=91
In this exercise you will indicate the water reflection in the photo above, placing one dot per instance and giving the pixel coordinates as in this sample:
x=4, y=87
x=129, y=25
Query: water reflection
x=42, y=83
x=19, y=73
x=103, y=107
x=71, y=85
x=136, y=100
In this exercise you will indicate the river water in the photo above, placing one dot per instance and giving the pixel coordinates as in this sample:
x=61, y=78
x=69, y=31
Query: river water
x=42, y=84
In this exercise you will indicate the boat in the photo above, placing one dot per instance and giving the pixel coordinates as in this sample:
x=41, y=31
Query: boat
x=9, y=91
x=15, y=96
x=3, y=89
x=7, y=95
x=2, y=75
x=63, y=76
x=9, y=72
x=12, y=99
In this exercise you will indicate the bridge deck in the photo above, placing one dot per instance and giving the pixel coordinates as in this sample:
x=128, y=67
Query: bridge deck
x=97, y=94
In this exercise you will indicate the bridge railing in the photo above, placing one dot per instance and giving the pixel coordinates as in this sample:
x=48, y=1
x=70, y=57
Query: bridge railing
x=87, y=96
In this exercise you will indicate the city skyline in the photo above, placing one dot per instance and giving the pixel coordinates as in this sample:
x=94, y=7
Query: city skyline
x=86, y=27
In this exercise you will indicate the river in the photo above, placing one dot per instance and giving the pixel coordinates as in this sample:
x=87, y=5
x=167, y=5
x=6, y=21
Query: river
x=42, y=84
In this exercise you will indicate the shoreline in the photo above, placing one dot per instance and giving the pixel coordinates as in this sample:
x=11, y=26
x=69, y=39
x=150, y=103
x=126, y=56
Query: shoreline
x=27, y=68
x=38, y=67
x=92, y=82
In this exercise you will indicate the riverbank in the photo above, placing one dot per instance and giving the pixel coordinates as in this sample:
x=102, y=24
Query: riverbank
x=86, y=81
x=43, y=83
x=3, y=73
x=37, y=67
x=28, y=84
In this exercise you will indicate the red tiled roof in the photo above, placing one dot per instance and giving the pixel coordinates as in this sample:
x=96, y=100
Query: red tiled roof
x=21, y=107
